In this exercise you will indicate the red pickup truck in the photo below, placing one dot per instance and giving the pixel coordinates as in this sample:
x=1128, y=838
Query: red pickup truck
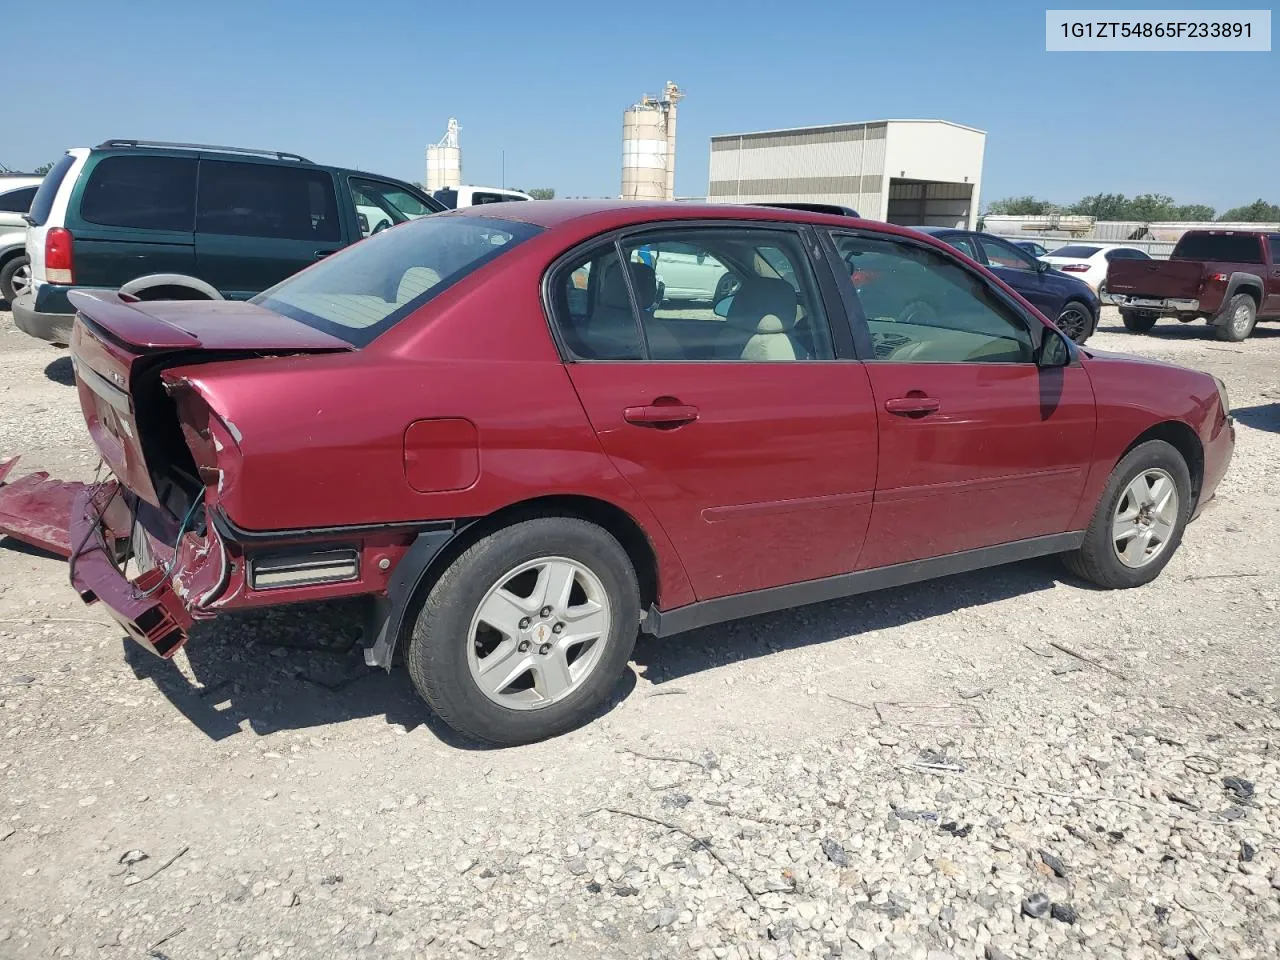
x=1229, y=277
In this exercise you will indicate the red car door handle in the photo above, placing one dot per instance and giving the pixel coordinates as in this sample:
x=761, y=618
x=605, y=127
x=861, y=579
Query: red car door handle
x=661, y=415
x=909, y=405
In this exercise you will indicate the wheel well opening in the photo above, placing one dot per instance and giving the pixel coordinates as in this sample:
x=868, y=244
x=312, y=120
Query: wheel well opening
x=12, y=255
x=1252, y=292
x=605, y=515
x=1183, y=439
x=170, y=292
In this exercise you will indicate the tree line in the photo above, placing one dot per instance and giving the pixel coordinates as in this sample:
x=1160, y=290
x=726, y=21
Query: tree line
x=1146, y=207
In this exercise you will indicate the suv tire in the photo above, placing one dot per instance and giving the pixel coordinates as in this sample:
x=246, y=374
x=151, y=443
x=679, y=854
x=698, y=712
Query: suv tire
x=15, y=278
x=1076, y=320
x=1120, y=548
x=1236, y=320
x=1136, y=321
x=532, y=690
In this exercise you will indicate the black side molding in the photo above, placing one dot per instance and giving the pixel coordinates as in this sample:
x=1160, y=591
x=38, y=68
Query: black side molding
x=662, y=623
x=228, y=530
x=385, y=621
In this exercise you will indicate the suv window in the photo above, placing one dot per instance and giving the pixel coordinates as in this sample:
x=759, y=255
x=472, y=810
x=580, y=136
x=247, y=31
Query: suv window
x=369, y=287
x=263, y=200
x=1219, y=247
x=702, y=294
x=42, y=205
x=17, y=201
x=380, y=205
x=965, y=245
x=145, y=193
x=922, y=307
x=1002, y=254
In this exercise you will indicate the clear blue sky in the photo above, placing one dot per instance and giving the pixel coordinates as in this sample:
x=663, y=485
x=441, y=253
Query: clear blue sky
x=371, y=83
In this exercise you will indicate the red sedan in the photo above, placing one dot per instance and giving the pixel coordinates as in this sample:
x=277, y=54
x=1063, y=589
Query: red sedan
x=494, y=426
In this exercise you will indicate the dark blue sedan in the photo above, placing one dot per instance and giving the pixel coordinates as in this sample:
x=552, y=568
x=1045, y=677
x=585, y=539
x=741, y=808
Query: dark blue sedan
x=1069, y=302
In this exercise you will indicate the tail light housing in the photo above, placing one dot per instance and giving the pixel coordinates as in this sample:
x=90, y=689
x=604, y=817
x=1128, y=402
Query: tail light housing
x=1075, y=267
x=59, y=263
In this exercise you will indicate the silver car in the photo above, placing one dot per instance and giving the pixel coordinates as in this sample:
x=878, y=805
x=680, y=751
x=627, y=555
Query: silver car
x=16, y=194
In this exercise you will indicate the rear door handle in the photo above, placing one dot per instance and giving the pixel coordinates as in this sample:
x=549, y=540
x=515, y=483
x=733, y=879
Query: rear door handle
x=661, y=415
x=909, y=405
x=321, y=254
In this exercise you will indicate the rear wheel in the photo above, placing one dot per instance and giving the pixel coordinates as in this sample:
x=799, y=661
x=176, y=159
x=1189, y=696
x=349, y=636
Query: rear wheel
x=1136, y=321
x=1076, y=321
x=15, y=278
x=1235, y=323
x=1139, y=520
x=525, y=634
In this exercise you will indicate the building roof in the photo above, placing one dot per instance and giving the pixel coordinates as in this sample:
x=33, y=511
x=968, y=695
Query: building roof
x=841, y=126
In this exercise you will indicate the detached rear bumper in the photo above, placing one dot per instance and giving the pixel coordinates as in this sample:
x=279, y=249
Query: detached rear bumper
x=147, y=607
x=1163, y=305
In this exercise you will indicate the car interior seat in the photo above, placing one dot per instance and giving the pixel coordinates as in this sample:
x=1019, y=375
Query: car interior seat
x=611, y=330
x=761, y=323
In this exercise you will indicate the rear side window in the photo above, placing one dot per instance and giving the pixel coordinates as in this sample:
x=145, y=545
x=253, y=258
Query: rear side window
x=17, y=201
x=262, y=200
x=145, y=193
x=42, y=205
x=369, y=287
x=1223, y=247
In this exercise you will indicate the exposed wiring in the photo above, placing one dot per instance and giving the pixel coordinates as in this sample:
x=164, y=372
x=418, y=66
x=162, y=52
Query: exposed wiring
x=94, y=487
x=177, y=542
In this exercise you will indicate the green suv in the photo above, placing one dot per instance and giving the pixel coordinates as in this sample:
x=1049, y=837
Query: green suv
x=181, y=221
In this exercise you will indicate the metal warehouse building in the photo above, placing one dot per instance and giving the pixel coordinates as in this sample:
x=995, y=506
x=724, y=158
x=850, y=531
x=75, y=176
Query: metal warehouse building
x=911, y=172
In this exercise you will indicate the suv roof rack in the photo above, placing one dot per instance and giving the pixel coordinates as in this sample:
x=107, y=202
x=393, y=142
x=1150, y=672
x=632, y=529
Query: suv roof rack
x=278, y=154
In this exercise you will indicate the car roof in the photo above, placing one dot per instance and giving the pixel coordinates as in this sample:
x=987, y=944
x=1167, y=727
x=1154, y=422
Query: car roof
x=602, y=215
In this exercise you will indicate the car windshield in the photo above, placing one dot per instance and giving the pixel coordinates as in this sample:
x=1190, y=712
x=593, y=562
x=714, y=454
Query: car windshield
x=1221, y=247
x=1078, y=251
x=371, y=286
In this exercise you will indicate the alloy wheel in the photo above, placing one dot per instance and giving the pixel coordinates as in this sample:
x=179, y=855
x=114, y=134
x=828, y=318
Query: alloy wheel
x=1074, y=322
x=21, y=280
x=538, y=633
x=1145, y=518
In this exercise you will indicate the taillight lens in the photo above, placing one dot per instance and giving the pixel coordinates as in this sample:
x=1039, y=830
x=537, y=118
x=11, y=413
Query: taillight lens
x=1075, y=267
x=59, y=266
x=1217, y=278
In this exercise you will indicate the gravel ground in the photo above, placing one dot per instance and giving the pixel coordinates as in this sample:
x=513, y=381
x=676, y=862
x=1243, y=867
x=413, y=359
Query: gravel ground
x=1001, y=764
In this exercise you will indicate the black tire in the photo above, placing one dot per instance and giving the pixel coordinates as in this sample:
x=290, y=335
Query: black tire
x=1136, y=321
x=1096, y=560
x=7, y=273
x=437, y=654
x=1235, y=322
x=1076, y=320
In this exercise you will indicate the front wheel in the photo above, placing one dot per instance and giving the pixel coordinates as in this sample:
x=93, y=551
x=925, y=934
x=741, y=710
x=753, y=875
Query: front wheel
x=526, y=633
x=1076, y=321
x=1139, y=520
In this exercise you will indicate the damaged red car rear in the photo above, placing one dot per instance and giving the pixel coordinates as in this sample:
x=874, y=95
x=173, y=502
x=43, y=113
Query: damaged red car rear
x=498, y=431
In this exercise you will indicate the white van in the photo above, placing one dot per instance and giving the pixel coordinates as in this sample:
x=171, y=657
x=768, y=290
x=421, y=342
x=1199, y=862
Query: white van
x=455, y=197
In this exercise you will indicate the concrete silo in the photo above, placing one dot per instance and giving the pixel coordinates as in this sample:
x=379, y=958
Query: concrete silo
x=649, y=147
x=444, y=161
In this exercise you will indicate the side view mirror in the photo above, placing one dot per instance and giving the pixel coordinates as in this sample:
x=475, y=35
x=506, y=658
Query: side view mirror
x=1042, y=267
x=702, y=256
x=721, y=309
x=1054, y=351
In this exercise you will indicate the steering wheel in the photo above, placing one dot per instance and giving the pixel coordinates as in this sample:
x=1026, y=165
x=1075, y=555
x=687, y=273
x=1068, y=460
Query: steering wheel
x=918, y=312
x=382, y=225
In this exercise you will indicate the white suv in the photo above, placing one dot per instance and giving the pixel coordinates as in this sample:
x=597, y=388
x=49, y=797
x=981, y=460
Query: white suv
x=16, y=194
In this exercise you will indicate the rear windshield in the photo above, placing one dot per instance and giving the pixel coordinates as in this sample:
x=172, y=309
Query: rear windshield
x=1074, y=250
x=371, y=286
x=42, y=205
x=1223, y=247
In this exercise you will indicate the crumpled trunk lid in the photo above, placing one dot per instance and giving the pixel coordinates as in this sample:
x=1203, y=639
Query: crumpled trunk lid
x=120, y=348
x=36, y=509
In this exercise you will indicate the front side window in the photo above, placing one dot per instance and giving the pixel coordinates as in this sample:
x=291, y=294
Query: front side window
x=380, y=205
x=1002, y=254
x=264, y=200
x=17, y=201
x=922, y=307
x=365, y=289
x=965, y=245
x=145, y=193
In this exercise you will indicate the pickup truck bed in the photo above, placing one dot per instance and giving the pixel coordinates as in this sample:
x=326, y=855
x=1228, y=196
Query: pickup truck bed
x=1228, y=277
